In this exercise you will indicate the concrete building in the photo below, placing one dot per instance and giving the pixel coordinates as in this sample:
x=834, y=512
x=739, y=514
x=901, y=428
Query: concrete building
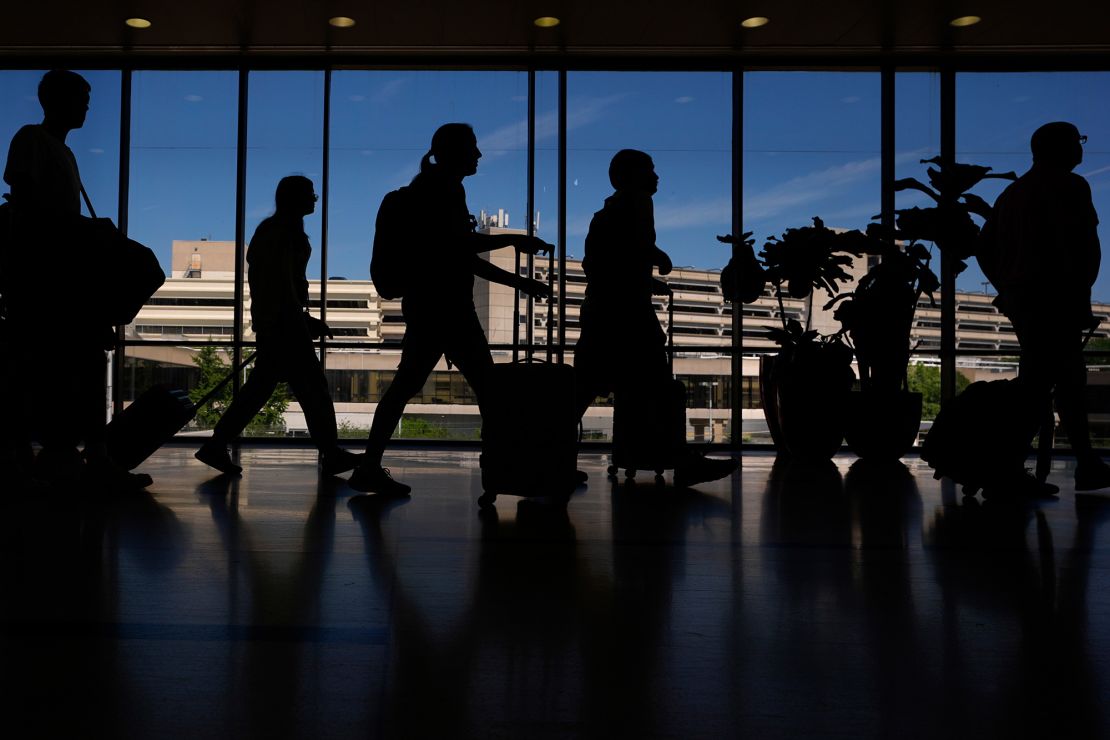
x=197, y=303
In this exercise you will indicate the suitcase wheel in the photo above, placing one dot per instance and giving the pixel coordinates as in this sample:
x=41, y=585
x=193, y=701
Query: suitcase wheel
x=630, y=473
x=486, y=500
x=612, y=470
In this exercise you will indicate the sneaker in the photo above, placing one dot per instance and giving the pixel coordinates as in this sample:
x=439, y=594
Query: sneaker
x=339, y=461
x=1092, y=475
x=377, y=480
x=217, y=456
x=1023, y=485
x=698, y=469
x=106, y=475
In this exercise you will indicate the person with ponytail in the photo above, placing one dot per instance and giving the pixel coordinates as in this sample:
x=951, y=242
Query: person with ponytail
x=438, y=300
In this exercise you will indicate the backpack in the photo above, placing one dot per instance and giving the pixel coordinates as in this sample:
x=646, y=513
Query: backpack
x=982, y=435
x=390, y=260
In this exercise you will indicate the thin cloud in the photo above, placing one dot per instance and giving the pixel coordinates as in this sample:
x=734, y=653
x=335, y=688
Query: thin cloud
x=715, y=211
x=514, y=136
x=808, y=189
x=389, y=90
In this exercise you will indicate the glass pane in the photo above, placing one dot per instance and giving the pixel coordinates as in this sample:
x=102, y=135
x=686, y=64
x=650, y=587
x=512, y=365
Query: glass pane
x=996, y=114
x=182, y=198
x=683, y=122
x=382, y=125
x=811, y=149
x=444, y=409
x=285, y=130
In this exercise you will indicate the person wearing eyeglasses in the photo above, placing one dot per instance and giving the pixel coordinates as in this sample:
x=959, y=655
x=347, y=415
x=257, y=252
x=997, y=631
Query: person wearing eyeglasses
x=277, y=258
x=1041, y=251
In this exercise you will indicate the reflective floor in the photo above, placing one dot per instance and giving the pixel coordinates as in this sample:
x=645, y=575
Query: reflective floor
x=832, y=602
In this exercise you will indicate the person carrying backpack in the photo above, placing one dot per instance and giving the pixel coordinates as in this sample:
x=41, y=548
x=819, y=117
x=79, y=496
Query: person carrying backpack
x=426, y=251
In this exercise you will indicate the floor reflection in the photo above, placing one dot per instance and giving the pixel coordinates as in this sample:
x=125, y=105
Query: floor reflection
x=836, y=600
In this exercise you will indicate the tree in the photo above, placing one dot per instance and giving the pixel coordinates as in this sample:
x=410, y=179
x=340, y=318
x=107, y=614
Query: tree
x=213, y=369
x=925, y=379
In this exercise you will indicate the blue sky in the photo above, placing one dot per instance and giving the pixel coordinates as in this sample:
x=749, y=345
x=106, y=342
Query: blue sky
x=811, y=146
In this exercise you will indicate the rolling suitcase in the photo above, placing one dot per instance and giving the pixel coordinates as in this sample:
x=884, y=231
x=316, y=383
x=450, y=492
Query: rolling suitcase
x=135, y=433
x=982, y=434
x=529, y=431
x=649, y=424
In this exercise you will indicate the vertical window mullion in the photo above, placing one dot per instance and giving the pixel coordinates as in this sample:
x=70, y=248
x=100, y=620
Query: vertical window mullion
x=324, y=193
x=947, y=262
x=240, y=224
x=736, y=435
x=119, y=355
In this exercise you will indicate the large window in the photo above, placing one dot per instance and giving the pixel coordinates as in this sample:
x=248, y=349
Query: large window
x=811, y=147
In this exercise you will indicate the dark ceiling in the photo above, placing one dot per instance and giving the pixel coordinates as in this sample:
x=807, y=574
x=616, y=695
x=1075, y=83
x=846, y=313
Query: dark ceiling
x=603, y=28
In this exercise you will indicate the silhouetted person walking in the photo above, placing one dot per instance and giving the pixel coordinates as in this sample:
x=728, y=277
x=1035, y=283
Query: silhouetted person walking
x=276, y=261
x=1041, y=251
x=622, y=345
x=442, y=260
x=66, y=375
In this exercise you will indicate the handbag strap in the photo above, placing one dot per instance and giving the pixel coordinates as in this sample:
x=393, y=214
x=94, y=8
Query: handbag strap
x=85, y=196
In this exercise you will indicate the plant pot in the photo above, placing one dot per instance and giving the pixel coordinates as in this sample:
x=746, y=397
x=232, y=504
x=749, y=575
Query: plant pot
x=806, y=405
x=883, y=425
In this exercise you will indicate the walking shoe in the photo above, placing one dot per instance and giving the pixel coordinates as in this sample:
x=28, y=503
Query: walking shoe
x=339, y=461
x=1092, y=475
x=377, y=480
x=1023, y=485
x=105, y=475
x=217, y=456
x=698, y=469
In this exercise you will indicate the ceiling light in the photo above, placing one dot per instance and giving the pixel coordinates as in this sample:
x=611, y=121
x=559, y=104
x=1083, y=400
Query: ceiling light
x=138, y=22
x=755, y=22
x=964, y=20
x=341, y=21
x=546, y=21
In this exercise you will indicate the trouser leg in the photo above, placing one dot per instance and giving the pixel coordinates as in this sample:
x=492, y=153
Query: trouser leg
x=309, y=384
x=418, y=359
x=469, y=351
x=252, y=396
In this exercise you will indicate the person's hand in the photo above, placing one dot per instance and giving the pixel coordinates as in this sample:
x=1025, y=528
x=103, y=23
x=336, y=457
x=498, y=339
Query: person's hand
x=658, y=287
x=534, y=288
x=533, y=245
x=317, y=329
x=663, y=262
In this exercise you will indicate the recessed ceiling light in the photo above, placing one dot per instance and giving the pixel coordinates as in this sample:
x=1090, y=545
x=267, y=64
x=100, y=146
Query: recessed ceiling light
x=341, y=21
x=964, y=21
x=755, y=22
x=138, y=22
x=546, y=21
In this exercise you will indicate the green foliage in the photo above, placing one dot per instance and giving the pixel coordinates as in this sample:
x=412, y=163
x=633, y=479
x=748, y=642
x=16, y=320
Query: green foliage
x=347, y=430
x=925, y=380
x=213, y=369
x=416, y=428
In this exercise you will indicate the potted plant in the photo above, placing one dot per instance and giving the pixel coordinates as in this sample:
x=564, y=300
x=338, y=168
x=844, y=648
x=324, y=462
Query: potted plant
x=885, y=416
x=804, y=388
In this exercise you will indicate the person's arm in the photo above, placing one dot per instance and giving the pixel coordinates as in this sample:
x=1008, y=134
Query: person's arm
x=495, y=274
x=478, y=243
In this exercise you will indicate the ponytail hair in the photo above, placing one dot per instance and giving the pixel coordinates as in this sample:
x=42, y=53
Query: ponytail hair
x=426, y=163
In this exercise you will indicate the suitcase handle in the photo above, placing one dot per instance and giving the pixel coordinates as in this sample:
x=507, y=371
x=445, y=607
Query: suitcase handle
x=220, y=386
